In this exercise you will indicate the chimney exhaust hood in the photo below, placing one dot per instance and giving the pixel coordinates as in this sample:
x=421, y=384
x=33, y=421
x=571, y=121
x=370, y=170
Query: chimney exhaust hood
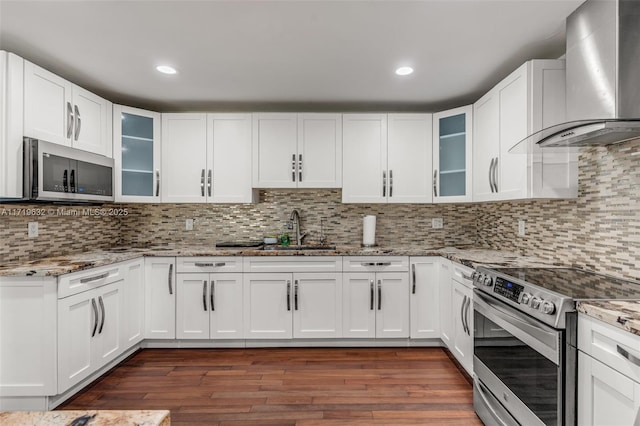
x=602, y=77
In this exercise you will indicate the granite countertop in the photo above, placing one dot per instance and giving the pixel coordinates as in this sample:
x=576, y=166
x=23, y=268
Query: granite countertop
x=95, y=418
x=60, y=265
x=624, y=314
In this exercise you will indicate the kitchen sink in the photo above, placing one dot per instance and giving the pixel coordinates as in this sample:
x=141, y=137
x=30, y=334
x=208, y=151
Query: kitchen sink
x=300, y=247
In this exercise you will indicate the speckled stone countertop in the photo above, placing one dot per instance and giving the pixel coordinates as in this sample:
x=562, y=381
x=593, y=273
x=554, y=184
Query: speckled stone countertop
x=623, y=314
x=96, y=418
x=54, y=266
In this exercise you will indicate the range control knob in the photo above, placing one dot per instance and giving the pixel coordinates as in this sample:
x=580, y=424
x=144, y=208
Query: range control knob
x=548, y=308
x=487, y=281
x=535, y=303
x=474, y=275
x=525, y=298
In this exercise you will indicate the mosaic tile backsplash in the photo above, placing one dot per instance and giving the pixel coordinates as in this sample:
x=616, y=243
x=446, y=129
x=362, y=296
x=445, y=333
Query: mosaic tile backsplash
x=600, y=230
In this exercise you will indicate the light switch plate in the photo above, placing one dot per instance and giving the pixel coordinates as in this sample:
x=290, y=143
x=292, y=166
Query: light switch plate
x=521, y=228
x=188, y=226
x=437, y=223
x=33, y=229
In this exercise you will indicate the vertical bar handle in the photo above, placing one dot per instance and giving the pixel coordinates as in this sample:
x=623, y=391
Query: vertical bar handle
x=157, y=182
x=69, y=120
x=170, y=278
x=464, y=301
x=467, y=316
x=390, y=183
x=212, y=295
x=293, y=168
x=288, y=295
x=95, y=317
x=78, y=125
x=295, y=295
x=65, y=181
x=384, y=183
x=413, y=278
x=202, y=183
x=204, y=295
x=104, y=314
x=379, y=294
x=300, y=168
x=495, y=174
x=491, y=175
x=435, y=183
x=371, y=297
x=209, y=183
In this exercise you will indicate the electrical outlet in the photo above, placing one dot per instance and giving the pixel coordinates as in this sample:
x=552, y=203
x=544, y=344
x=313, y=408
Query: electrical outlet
x=521, y=228
x=436, y=223
x=188, y=225
x=33, y=229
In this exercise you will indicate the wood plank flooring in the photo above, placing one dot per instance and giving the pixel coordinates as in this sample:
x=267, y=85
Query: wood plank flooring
x=301, y=386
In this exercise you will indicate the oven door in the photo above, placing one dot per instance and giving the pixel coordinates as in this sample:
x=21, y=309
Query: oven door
x=517, y=366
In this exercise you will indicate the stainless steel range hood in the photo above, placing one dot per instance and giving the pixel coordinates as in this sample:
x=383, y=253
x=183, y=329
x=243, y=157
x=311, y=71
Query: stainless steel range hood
x=603, y=77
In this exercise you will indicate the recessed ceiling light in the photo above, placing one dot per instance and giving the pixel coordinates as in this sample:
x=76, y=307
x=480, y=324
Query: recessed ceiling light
x=404, y=71
x=166, y=69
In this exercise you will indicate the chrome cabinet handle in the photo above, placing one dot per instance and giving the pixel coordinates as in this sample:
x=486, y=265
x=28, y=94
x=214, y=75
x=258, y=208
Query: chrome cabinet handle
x=170, y=278
x=464, y=326
x=383, y=264
x=69, y=120
x=202, y=183
x=435, y=183
x=209, y=183
x=368, y=264
x=371, y=295
x=208, y=264
x=630, y=357
x=104, y=314
x=293, y=168
x=78, y=122
x=379, y=294
x=466, y=316
x=212, y=295
x=95, y=317
x=157, y=182
x=300, y=168
x=491, y=175
x=390, y=183
x=413, y=277
x=384, y=183
x=94, y=278
x=495, y=174
x=204, y=294
x=295, y=295
x=288, y=295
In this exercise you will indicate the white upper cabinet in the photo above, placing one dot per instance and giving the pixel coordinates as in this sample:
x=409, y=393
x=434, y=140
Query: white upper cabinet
x=452, y=142
x=136, y=151
x=206, y=158
x=11, y=117
x=58, y=111
x=387, y=158
x=528, y=100
x=297, y=150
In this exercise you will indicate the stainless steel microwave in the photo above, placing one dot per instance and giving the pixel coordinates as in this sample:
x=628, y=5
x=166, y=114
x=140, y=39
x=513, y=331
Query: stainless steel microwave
x=59, y=173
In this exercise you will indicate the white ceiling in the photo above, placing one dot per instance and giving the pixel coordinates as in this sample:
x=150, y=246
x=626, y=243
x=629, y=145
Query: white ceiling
x=285, y=55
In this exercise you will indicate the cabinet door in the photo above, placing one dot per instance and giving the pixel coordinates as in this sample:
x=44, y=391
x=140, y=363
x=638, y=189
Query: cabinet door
x=229, y=158
x=463, y=327
x=159, y=299
x=319, y=151
x=317, y=304
x=447, y=314
x=268, y=306
x=12, y=116
x=225, y=300
x=275, y=150
x=486, y=145
x=136, y=153
x=107, y=343
x=392, y=304
x=48, y=111
x=364, y=171
x=28, y=336
x=133, y=304
x=184, y=159
x=78, y=321
x=409, y=158
x=192, y=306
x=358, y=305
x=425, y=298
x=92, y=126
x=605, y=396
x=452, y=142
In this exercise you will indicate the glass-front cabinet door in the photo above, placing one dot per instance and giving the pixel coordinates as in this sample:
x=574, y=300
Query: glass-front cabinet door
x=452, y=156
x=136, y=151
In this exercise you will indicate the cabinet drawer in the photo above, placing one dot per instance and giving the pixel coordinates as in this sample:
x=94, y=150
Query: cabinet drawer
x=293, y=264
x=601, y=341
x=209, y=264
x=462, y=274
x=375, y=263
x=78, y=282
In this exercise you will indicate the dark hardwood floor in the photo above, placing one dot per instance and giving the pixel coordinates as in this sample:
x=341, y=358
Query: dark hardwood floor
x=304, y=386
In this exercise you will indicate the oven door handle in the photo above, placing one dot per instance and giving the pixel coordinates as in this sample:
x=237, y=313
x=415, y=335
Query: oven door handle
x=543, y=339
x=493, y=409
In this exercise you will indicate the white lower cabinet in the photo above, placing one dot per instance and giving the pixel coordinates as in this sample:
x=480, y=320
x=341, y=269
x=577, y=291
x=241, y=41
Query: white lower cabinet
x=375, y=304
x=267, y=306
x=160, y=298
x=462, y=309
x=317, y=305
x=425, y=297
x=209, y=306
x=133, y=303
x=89, y=329
x=446, y=323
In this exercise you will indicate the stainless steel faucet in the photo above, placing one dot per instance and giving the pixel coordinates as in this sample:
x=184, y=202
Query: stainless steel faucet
x=295, y=219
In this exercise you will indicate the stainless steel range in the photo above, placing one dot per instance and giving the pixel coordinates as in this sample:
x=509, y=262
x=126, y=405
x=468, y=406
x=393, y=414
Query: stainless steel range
x=525, y=356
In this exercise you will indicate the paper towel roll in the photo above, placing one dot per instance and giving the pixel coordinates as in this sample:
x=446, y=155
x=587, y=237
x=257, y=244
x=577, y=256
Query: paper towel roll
x=369, y=231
